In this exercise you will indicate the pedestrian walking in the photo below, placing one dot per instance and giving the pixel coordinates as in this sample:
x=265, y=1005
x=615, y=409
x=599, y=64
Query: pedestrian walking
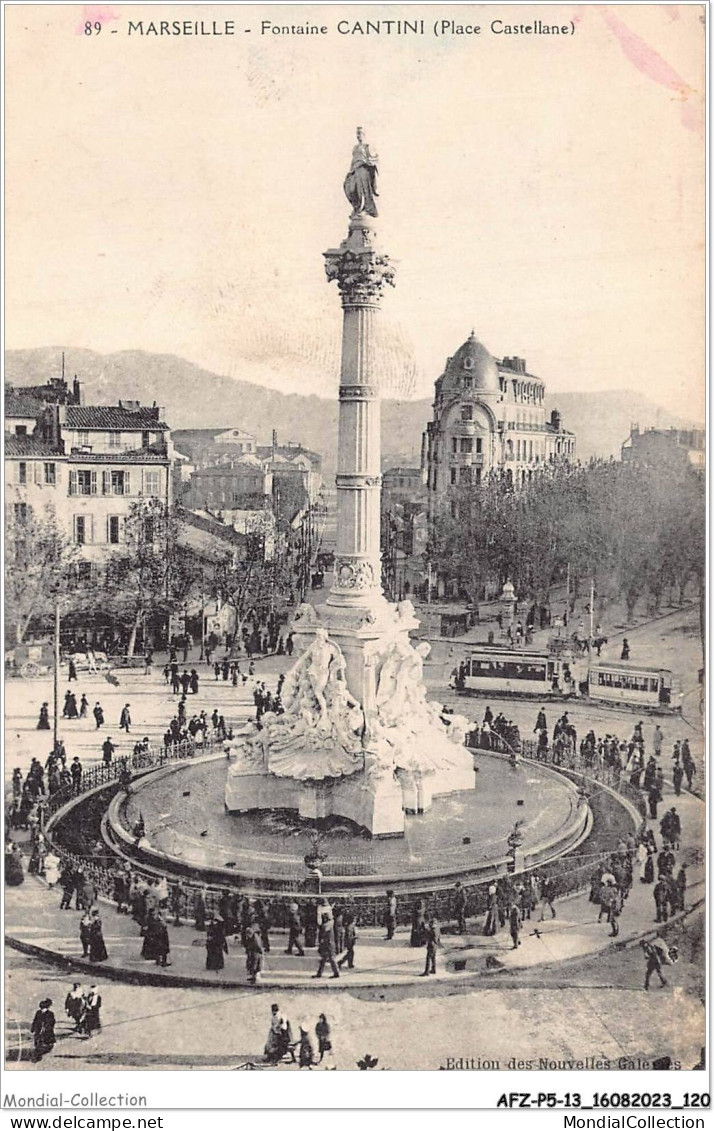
x=460, y=903
x=515, y=922
x=661, y=897
x=492, y=919
x=72, y=675
x=306, y=1052
x=418, y=932
x=43, y=722
x=324, y=1038
x=108, y=749
x=390, y=920
x=84, y=925
x=97, y=949
x=74, y=1004
x=98, y=715
x=125, y=718
x=547, y=897
x=295, y=931
x=91, y=1020
x=433, y=938
x=653, y=956
x=350, y=939
x=254, y=952
x=43, y=1029
x=216, y=945
x=326, y=939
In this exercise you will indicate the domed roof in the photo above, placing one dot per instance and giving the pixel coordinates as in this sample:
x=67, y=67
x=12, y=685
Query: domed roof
x=472, y=360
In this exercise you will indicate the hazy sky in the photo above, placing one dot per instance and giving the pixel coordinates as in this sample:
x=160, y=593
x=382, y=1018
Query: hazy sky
x=176, y=194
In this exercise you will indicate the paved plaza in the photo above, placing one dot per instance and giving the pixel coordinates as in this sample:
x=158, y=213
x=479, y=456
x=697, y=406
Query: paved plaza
x=569, y=989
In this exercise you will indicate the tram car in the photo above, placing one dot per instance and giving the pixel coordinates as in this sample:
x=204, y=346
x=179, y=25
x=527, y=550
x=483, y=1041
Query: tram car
x=630, y=684
x=509, y=672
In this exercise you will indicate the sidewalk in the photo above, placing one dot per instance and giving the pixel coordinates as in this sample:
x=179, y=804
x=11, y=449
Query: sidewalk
x=35, y=925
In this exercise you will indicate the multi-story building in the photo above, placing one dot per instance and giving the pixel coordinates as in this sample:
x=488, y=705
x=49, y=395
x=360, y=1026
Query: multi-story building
x=655, y=445
x=488, y=415
x=228, y=469
x=90, y=464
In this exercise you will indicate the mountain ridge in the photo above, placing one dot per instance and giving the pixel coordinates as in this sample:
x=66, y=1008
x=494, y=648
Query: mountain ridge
x=600, y=420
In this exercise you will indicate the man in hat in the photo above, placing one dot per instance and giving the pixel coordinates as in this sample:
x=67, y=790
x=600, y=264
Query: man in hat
x=125, y=718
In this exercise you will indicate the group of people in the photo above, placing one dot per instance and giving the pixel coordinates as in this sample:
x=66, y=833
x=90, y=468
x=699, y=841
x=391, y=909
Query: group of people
x=267, y=701
x=82, y=1006
x=185, y=683
x=26, y=803
x=492, y=728
x=303, y=1050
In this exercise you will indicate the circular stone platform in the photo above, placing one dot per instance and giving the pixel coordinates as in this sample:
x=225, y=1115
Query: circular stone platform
x=186, y=822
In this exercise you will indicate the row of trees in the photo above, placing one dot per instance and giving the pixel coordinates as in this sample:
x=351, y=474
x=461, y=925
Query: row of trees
x=153, y=574
x=637, y=530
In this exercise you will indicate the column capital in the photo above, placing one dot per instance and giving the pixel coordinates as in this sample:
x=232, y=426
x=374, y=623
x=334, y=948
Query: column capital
x=360, y=268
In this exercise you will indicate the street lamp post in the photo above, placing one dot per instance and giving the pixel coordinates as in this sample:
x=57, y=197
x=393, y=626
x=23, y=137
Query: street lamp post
x=56, y=674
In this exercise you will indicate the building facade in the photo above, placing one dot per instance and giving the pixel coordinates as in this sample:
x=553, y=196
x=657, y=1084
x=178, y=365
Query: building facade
x=489, y=415
x=86, y=465
x=653, y=445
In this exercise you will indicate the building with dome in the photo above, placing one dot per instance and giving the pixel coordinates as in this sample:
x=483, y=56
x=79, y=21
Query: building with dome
x=488, y=414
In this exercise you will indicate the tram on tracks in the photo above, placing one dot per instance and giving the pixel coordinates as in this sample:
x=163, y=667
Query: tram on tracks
x=506, y=671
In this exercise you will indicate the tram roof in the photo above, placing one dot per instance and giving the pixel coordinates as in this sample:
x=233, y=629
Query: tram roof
x=632, y=669
x=497, y=650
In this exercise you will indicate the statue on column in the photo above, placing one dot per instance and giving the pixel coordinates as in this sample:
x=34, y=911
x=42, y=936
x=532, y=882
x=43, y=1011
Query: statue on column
x=361, y=181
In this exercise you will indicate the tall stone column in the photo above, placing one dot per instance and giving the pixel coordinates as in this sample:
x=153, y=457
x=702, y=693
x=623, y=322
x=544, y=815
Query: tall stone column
x=361, y=271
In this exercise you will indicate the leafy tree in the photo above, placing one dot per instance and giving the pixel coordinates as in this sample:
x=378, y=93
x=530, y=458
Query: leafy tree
x=152, y=573
x=256, y=581
x=38, y=557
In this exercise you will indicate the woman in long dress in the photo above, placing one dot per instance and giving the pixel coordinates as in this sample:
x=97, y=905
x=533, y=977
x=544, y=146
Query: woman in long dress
x=149, y=949
x=492, y=919
x=418, y=924
x=216, y=945
x=91, y=1021
x=52, y=866
x=199, y=910
x=97, y=949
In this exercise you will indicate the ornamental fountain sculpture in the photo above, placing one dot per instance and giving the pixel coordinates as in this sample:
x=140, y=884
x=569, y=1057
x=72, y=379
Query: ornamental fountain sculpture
x=357, y=737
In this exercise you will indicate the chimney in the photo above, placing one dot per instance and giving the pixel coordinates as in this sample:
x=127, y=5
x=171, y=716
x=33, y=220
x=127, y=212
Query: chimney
x=275, y=443
x=555, y=420
x=76, y=390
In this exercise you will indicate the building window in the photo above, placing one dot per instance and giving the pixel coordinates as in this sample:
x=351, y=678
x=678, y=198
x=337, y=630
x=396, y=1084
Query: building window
x=113, y=529
x=80, y=529
x=22, y=473
x=120, y=482
x=152, y=482
x=114, y=439
x=20, y=429
x=479, y=445
x=145, y=439
x=467, y=412
x=50, y=474
x=453, y=474
x=466, y=445
x=22, y=512
x=82, y=482
x=83, y=438
x=454, y=444
x=478, y=474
